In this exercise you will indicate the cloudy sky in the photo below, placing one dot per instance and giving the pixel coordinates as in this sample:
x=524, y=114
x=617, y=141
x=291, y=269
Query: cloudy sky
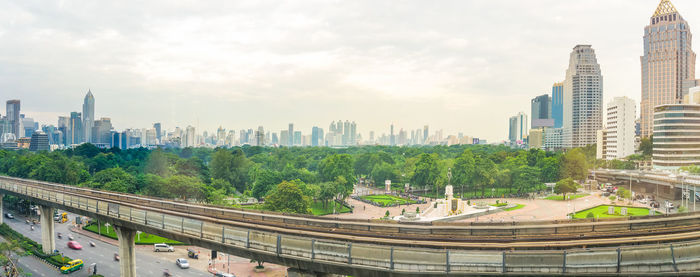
x=462, y=66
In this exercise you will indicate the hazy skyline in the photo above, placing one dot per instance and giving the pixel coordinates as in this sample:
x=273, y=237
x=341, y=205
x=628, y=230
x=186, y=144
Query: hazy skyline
x=459, y=66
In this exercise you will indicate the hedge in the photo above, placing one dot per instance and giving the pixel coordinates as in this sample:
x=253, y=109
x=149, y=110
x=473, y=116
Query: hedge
x=32, y=247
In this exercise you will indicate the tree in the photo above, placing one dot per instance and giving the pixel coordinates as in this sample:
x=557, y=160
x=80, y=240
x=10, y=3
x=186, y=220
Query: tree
x=158, y=164
x=426, y=171
x=527, y=178
x=114, y=179
x=265, y=181
x=646, y=146
x=463, y=170
x=565, y=186
x=8, y=249
x=549, y=169
x=485, y=171
x=573, y=165
x=231, y=166
x=287, y=197
x=338, y=165
x=383, y=171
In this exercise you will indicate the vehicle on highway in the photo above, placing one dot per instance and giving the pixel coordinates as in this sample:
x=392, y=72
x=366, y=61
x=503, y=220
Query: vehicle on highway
x=72, y=266
x=222, y=274
x=62, y=218
x=9, y=216
x=192, y=254
x=74, y=245
x=182, y=263
x=162, y=247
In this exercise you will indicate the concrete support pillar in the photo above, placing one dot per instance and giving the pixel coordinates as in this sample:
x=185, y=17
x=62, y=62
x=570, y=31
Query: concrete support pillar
x=48, y=239
x=127, y=253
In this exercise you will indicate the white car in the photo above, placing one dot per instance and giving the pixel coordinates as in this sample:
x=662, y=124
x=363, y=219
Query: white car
x=182, y=263
x=162, y=247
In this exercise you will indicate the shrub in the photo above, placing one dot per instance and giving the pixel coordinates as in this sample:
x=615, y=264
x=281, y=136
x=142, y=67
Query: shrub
x=403, y=211
x=590, y=215
x=417, y=210
x=387, y=213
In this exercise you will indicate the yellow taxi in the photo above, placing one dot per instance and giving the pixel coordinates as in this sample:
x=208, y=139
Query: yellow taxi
x=71, y=266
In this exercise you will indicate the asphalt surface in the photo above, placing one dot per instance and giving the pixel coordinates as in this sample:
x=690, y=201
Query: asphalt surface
x=147, y=264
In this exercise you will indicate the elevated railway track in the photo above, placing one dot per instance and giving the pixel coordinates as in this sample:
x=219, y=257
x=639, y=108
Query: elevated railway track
x=382, y=248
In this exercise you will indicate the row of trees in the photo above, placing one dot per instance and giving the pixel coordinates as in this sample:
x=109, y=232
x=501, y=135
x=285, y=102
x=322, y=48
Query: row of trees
x=289, y=179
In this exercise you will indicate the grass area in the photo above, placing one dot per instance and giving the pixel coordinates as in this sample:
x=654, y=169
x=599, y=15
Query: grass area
x=143, y=238
x=602, y=212
x=569, y=196
x=386, y=200
x=317, y=208
x=488, y=192
x=517, y=207
x=499, y=204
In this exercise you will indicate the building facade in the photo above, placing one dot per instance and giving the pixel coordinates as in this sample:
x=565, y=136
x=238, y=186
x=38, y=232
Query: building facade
x=88, y=117
x=667, y=64
x=518, y=129
x=39, y=141
x=13, y=119
x=558, y=104
x=619, y=134
x=677, y=134
x=541, y=111
x=583, y=98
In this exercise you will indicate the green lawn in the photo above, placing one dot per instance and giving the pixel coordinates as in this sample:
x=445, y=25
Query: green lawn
x=143, y=238
x=517, y=207
x=602, y=212
x=317, y=208
x=569, y=196
x=385, y=200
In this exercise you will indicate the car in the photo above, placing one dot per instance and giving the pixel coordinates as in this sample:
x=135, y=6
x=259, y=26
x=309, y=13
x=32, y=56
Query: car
x=74, y=245
x=182, y=263
x=162, y=247
x=71, y=266
x=223, y=274
x=9, y=216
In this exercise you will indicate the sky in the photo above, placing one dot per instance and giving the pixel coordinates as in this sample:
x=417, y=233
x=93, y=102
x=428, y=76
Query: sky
x=461, y=66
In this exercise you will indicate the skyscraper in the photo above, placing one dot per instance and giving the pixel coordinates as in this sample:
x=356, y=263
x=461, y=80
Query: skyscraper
x=392, y=138
x=159, y=131
x=541, y=111
x=518, y=128
x=668, y=62
x=425, y=134
x=290, y=141
x=75, y=129
x=583, y=98
x=39, y=142
x=558, y=104
x=13, y=118
x=88, y=116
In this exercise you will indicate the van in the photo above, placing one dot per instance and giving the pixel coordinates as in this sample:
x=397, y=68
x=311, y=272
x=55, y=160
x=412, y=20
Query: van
x=162, y=247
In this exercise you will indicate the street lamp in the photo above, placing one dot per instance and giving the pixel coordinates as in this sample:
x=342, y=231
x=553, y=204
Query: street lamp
x=686, y=191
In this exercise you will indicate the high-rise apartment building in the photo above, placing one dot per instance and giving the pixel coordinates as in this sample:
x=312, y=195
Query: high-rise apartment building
x=13, y=119
x=88, y=116
x=159, y=132
x=618, y=136
x=290, y=141
x=297, y=138
x=583, y=98
x=284, y=138
x=668, y=62
x=558, y=104
x=676, y=132
x=101, y=132
x=518, y=128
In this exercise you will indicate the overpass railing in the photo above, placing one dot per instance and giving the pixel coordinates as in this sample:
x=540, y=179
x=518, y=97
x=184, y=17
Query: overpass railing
x=677, y=257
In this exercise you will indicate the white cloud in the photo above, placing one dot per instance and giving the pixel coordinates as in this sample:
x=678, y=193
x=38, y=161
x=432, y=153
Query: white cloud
x=458, y=65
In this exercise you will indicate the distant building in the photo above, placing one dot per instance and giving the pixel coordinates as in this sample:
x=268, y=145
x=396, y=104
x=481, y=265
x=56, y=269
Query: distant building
x=290, y=139
x=676, y=130
x=101, y=131
x=553, y=139
x=558, y=104
x=297, y=138
x=541, y=111
x=12, y=114
x=518, y=128
x=39, y=142
x=88, y=117
x=75, y=127
x=284, y=138
x=536, y=138
x=159, y=132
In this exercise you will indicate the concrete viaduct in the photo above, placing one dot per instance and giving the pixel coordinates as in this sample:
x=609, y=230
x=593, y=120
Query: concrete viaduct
x=315, y=246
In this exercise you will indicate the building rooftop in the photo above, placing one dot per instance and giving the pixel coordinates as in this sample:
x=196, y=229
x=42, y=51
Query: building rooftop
x=664, y=8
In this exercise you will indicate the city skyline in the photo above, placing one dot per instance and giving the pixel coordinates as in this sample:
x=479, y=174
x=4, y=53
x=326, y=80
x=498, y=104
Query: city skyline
x=434, y=71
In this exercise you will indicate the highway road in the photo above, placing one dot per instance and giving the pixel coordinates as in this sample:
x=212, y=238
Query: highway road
x=148, y=264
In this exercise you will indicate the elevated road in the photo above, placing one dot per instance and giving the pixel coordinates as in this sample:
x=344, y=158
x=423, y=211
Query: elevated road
x=661, y=244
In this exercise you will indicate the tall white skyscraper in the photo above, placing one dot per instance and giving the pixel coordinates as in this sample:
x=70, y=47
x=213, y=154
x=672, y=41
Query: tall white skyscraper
x=583, y=98
x=619, y=131
x=88, y=116
x=518, y=128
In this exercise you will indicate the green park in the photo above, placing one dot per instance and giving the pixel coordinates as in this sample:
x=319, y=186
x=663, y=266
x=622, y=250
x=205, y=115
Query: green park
x=387, y=200
x=602, y=212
